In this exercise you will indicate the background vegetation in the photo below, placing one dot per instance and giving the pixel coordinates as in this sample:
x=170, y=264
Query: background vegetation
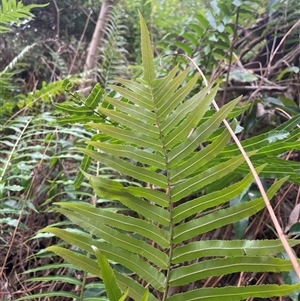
x=52, y=85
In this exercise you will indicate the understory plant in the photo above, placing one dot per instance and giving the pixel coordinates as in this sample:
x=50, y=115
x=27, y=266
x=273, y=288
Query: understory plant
x=179, y=174
x=12, y=13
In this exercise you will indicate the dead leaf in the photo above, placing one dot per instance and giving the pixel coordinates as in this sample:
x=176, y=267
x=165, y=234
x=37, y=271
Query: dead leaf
x=294, y=218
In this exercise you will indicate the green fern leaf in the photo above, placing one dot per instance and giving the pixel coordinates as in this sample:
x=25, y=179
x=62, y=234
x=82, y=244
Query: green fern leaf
x=118, y=221
x=110, y=282
x=147, y=55
x=212, y=199
x=231, y=293
x=216, y=267
x=232, y=248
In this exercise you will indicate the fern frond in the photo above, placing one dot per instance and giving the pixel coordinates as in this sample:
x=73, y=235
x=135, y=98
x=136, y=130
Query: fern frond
x=173, y=148
x=16, y=59
x=113, y=61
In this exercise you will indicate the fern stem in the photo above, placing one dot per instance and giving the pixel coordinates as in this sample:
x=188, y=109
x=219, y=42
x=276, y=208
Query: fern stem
x=171, y=207
x=83, y=285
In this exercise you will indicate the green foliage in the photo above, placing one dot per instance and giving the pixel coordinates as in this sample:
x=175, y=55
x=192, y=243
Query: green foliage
x=227, y=34
x=13, y=11
x=81, y=111
x=110, y=281
x=28, y=146
x=38, y=164
x=152, y=136
x=209, y=37
x=32, y=100
x=6, y=73
x=113, y=61
x=112, y=288
x=249, y=46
